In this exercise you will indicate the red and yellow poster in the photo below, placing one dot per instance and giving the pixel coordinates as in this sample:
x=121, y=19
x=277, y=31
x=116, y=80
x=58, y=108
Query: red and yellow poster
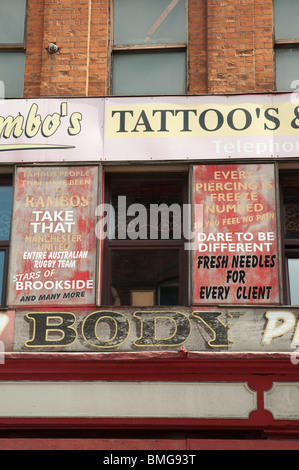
x=53, y=260
x=236, y=252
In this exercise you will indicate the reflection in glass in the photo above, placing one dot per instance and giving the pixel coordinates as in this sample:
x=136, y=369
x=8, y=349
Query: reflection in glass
x=12, y=66
x=149, y=73
x=12, y=21
x=149, y=22
x=148, y=271
x=5, y=211
x=291, y=214
x=287, y=66
x=286, y=14
x=2, y=259
x=293, y=264
x=160, y=206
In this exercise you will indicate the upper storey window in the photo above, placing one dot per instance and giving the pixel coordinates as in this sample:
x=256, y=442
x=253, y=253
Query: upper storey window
x=12, y=47
x=149, y=47
x=286, y=44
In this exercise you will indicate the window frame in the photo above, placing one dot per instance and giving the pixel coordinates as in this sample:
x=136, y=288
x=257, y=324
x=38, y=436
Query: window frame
x=5, y=180
x=17, y=47
x=147, y=48
x=171, y=244
x=289, y=246
x=4, y=246
x=290, y=43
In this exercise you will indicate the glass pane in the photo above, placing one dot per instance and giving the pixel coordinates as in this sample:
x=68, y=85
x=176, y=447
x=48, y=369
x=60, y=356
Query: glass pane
x=291, y=206
x=12, y=73
x=149, y=21
x=293, y=264
x=149, y=275
x=12, y=21
x=287, y=68
x=291, y=214
x=158, y=214
x=5, y=211
x=155, y=73
x=2, y=258
x=286, y=13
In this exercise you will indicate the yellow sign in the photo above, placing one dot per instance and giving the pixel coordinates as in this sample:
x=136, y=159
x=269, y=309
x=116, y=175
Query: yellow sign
x=169, y=120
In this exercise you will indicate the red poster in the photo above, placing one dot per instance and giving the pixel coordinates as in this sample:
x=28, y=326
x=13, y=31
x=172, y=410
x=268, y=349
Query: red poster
x=236, y=256
x=53, y=242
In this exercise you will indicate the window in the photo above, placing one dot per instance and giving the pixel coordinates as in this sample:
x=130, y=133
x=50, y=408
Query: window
x=12, y=47
x=286, y=44
x=5, y=220
x=149, y=47
x=145, y=261
x=290, y=229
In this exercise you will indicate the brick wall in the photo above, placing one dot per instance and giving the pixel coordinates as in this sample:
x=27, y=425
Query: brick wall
x=80, y=29
x=230, y=47
x=34, y=48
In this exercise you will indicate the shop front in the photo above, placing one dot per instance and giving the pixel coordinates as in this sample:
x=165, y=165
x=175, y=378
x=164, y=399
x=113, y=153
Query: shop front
x=149, y=273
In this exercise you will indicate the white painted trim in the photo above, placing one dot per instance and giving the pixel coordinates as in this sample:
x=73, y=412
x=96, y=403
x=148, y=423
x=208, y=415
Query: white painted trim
x=282, y=400
x=127, y=399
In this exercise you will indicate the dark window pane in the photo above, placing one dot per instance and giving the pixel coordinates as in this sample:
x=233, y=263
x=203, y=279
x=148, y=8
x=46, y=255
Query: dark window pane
x=2, y=260
x=291, y=208
x=151, y=273
x=5, y=211
x=293, y=265
x=168, y=293
x=158, y=210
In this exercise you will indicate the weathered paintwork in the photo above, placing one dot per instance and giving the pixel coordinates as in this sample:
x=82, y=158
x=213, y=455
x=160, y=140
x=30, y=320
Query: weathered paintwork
x=53, y=259
x=236, y=257
x=270, y=329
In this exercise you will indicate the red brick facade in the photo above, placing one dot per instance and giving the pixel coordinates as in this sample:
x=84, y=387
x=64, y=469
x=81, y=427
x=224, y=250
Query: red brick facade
x=230, y=47
x=80, y=29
